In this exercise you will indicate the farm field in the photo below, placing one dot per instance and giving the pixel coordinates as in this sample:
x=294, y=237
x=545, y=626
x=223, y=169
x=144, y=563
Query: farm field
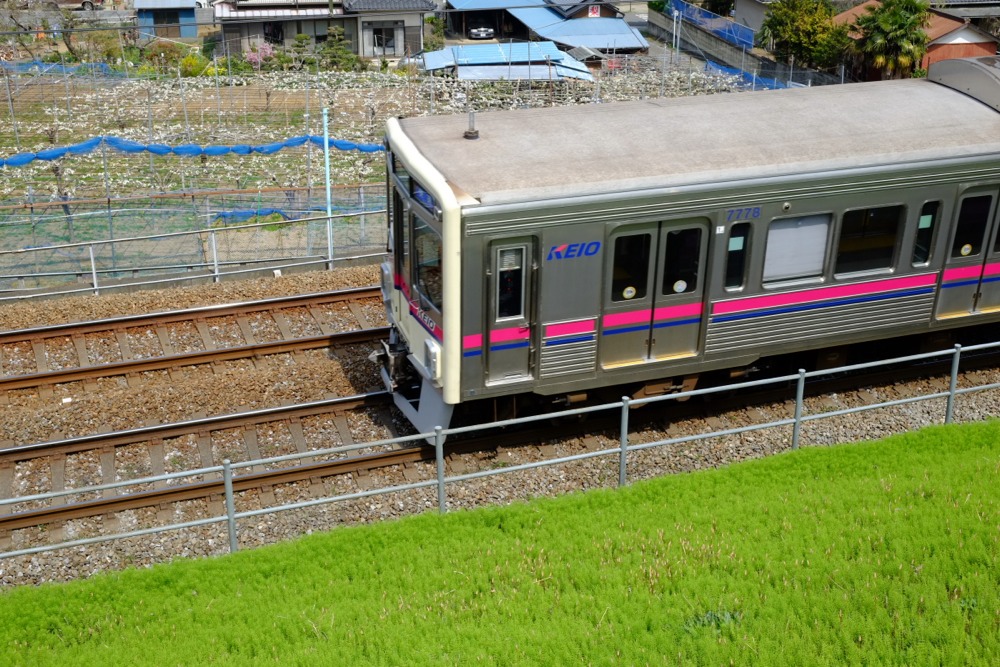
x=873, y=553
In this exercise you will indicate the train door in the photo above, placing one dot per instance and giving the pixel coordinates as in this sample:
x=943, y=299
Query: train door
x=509, y=306
x=970, y=282
x=653, y=293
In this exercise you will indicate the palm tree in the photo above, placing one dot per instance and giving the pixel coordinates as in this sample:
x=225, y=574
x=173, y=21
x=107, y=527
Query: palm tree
x=892, y=36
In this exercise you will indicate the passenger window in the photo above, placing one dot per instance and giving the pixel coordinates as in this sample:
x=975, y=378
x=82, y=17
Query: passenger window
x=736, y=255
x=925, y=233
x=630, y=271
x=427, y=256
x=971, y=227
x=680, y=261
x=510, y=283
x=796, y=247
x=868, y=239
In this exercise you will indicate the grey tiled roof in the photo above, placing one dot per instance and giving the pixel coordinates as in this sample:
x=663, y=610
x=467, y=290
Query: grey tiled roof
x=389, y=5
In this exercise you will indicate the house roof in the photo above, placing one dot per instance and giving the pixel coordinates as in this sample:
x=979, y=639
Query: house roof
x=521, y=60
x=603, y=34
x=939, y=24
x=163, y=4
x=389, y=5
x=226, y=10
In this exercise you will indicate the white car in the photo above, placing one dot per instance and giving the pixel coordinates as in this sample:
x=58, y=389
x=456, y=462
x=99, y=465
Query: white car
x=481, y=31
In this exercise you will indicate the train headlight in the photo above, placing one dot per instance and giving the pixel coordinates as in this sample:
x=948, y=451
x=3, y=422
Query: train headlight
x=386, y=281
x=432, y=359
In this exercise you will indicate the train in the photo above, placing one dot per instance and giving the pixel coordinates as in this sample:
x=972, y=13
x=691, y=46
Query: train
x=552, y=255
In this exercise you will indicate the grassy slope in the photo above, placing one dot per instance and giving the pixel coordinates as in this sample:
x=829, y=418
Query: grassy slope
x=866, y=554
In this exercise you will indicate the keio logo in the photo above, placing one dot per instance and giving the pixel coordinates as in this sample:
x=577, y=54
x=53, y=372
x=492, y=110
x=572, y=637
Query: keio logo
x=573, y=250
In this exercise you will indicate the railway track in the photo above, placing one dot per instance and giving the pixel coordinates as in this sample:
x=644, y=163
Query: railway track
x=261, y=483
x=41, y=357
x=154, y=438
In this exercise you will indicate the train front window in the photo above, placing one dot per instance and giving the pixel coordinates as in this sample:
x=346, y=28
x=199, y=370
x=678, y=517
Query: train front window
x=868, y=239
x=427, y=257
x=630, y=272
x=972, y=220
x=421, y=196
x=399, y=169
x=680, y=261
x=796, y=247
x=925, y=233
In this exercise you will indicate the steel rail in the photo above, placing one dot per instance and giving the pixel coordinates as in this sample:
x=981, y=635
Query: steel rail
x=206, y=489
x=20, y=453
x=186, y=314
x=77, y=374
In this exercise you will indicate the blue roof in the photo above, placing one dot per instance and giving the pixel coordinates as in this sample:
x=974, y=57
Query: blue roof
x=521, y=73
x=605, y=34
x=506, y=57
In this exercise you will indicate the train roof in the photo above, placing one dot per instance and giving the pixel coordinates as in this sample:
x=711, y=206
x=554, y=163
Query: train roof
x=532, y=154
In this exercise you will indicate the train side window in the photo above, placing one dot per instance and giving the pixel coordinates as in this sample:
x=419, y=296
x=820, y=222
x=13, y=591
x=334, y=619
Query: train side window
x=972, y=220
x=401, y=236
x=796, y=247
x=427, y=257
x=630, y=271
x=925, y=233
x=510, y=283
x=680, y=260
x=868, y=238
x=736, y=255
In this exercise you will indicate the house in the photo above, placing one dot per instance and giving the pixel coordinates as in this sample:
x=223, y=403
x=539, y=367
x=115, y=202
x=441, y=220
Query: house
x=374, y=28
x=567, y=23
x=389, y=28
x=174, y=19
x=750, y=13
x=948, y=36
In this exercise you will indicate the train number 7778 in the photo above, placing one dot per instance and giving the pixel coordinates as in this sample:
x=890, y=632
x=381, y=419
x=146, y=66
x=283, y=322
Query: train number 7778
x=734, y=214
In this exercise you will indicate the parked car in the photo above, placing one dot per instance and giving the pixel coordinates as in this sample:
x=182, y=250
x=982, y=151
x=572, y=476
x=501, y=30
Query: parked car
x=415, y=59
x=88, y=5
x=481, y=31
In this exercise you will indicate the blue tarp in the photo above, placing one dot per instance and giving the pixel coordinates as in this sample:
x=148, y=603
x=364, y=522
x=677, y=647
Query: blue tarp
x=749, y=78
x=724, y=28
x=38, y=67
x=183, y=150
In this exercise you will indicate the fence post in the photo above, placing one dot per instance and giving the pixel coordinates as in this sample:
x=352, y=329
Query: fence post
x=623, y=442
x=361, y=202
x=215, y=256
x=955, y=359
x=10, y=105
x=800, y=390
x=439, y=455
x=329, y=196
x=93, y=268
x=227, y=479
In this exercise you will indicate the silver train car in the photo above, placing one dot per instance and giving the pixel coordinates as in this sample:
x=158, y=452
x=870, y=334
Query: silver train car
x=555, y=252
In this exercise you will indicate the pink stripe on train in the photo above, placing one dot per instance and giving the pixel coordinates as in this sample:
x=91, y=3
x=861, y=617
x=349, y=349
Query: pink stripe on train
x=569, y=328
x=823, y=293
x=513, y=333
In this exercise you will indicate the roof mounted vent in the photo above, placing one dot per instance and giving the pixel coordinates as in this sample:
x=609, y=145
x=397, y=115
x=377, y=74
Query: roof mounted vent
x=472, y=132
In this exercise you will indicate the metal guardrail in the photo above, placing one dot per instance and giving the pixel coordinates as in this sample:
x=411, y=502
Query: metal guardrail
x=441, y=481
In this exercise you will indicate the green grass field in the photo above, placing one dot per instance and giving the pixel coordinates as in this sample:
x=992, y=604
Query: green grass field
x=869, y=554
